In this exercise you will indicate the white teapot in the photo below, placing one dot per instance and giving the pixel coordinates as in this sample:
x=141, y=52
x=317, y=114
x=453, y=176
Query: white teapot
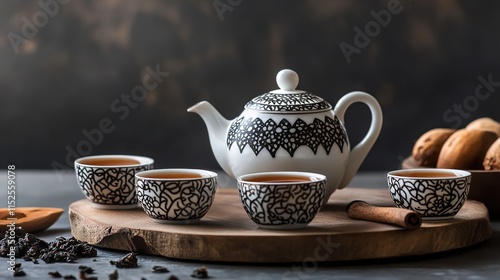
x=290, y=130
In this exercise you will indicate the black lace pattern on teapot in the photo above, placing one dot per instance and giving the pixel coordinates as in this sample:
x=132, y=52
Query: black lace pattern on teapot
x=289, y=102
x=269, y=135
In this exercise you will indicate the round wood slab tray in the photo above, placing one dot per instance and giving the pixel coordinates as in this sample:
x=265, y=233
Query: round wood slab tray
x=227, y=234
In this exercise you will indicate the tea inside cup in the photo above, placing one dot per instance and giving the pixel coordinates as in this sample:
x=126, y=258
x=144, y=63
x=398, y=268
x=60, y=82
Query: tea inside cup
x=282, y=200
x=176, y=196
x=434, y=193
x=108, y=180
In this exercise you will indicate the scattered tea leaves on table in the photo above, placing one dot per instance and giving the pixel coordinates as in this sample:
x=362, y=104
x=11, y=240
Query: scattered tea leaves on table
x=127, y=261
x=86, y=269
x=18, y=270
x=114, y=275
x=55, y=274
x=17, y=266
x=67, y=250
x=30, y=248
x=200, y=273
x=160, y=269
x=26, y=247
x=83, y=276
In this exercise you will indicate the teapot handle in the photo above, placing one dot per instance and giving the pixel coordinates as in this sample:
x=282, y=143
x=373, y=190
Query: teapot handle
x=359, y=152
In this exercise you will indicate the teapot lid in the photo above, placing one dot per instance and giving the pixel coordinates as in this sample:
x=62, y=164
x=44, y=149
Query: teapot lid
x=288, y=99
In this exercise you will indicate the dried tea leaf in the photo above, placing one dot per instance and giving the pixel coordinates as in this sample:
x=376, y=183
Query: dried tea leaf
x=127, y=261
x=114, y=275
x=55, y=274
x=160, y=269
x=200, y=273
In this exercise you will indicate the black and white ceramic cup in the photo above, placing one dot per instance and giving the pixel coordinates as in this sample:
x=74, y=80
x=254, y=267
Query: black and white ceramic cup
x=282, y=200
x=434, y=193
x=108, y=180
x=176, y=196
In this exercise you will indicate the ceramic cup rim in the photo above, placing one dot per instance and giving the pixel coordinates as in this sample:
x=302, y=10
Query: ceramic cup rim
x=314, y=177
x=141, y=159
x=459, y=174
x=205, y=174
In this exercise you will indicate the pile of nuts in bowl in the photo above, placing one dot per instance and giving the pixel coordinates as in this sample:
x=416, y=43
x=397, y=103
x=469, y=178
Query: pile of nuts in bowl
x=475, y=147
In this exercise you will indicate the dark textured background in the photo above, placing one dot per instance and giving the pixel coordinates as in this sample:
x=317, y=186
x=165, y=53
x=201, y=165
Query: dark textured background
x=65, y=78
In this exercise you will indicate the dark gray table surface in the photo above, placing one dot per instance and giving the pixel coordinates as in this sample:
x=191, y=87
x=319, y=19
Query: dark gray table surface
x=47, y=189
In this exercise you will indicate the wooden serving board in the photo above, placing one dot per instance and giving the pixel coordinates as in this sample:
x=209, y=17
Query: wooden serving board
x=227, y=234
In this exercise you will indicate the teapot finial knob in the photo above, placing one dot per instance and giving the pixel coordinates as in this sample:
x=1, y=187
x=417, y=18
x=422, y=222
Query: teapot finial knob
x=287, y=80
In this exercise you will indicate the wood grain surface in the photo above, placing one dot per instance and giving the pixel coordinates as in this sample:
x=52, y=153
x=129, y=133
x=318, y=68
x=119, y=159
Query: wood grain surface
x=227, y=234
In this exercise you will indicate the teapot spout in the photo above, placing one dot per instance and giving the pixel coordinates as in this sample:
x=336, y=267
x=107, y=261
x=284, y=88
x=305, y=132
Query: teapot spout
x=217, y=126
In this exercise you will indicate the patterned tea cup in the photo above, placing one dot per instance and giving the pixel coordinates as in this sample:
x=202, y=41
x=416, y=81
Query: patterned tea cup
x=176, y=196
x=282, y=200
x=108, y=180
x=434, y=193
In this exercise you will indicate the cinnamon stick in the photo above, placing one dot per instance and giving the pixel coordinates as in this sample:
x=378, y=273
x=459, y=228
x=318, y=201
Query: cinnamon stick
x=360, y=210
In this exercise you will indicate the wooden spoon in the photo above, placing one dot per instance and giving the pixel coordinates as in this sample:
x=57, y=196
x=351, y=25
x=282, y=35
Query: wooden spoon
x=31, y=219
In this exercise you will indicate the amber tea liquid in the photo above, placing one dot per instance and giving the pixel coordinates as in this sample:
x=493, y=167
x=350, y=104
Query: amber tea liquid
x=280, y=179
x=109, y=161
x=427, y=174
x=173, y=176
